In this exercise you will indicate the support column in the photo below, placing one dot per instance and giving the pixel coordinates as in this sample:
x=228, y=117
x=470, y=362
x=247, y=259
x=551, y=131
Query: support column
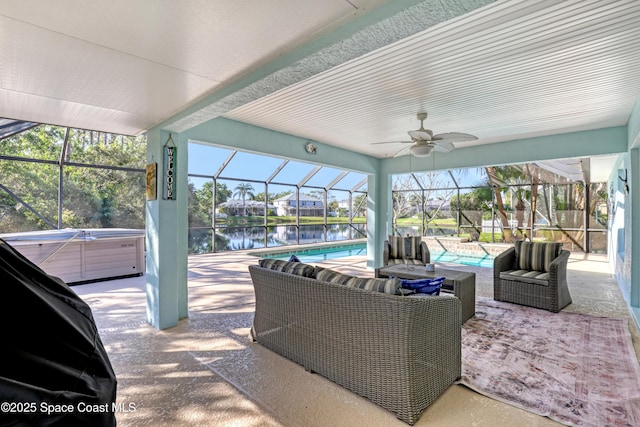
x=633, y=177
x=166, y=236
x=378, y=216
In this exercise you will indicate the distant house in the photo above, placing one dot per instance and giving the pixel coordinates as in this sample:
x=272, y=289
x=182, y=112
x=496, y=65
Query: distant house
x=432, y=204
x=309, y=206
x=235, y=207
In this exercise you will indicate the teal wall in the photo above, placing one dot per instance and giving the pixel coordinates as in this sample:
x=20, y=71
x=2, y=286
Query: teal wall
x=624, y=222
x=633, y=217
x=619, y=252
x=241, y=136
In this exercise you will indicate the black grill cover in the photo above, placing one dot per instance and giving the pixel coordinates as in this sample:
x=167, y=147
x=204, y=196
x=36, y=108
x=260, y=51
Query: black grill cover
x=51, y=356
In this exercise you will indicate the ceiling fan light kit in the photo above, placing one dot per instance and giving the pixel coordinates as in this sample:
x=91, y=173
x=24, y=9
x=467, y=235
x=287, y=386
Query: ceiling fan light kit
x=421, y=150
x=425, y=142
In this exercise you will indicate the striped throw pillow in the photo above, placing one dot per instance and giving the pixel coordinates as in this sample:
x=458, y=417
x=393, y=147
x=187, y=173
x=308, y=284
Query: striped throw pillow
x=404, y=247
x=387, y=286
x=536, y=256
x=328, y=275
x=297, y=268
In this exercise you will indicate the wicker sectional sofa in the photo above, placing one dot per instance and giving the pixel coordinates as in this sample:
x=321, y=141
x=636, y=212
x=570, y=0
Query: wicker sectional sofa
x=400, y=352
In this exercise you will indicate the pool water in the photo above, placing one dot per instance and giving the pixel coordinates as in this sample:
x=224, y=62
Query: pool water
x=485, y=261
x=323, y=254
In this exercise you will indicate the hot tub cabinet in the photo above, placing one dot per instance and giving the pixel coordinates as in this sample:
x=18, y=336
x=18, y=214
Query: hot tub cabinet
x=78, y=256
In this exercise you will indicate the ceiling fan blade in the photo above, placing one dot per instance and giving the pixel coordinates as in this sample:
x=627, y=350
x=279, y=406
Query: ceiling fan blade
x=442, y=146
x=392, y=142
x=454, y=137
x=403, y=152
x=420, y=135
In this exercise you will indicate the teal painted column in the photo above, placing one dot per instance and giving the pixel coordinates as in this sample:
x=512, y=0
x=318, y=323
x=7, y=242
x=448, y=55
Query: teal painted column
x=633, y=177
x=166, y=235
x=378, y=214
x=374, y=253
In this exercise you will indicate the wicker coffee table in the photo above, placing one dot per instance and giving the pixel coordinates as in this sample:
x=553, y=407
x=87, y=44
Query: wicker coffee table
x=460, y=283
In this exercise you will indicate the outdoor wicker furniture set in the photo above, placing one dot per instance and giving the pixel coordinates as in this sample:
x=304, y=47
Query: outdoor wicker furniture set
x=361, y=333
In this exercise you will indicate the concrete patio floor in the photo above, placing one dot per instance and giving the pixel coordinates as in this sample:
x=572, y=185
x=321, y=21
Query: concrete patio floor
x=206, y=372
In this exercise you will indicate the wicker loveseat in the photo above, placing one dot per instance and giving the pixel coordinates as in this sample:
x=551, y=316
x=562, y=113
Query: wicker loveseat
x=400, y=352
x=532, y=274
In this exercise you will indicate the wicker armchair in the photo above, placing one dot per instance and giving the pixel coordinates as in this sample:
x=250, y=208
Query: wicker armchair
x=405, y=250
x=532, y=274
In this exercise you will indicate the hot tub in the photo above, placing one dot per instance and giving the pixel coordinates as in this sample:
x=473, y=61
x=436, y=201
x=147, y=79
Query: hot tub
x=87, y=255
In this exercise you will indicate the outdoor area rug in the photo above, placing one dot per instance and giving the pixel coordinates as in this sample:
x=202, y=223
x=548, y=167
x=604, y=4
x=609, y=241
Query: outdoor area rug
x=576, y=369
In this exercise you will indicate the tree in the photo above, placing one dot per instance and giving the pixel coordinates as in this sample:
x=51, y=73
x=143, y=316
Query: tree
x=359, y=205
x=473, y=207
x=499, y=178
x=412, y=192
x=243, y=190
x=104, y=196
x=201, y=202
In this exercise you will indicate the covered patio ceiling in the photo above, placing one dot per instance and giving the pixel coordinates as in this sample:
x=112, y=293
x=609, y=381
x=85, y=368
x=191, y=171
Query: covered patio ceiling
x=347, y=73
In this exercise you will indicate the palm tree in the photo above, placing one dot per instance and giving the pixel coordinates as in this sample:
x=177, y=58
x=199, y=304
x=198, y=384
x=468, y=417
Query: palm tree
x=500, y=178
x=242, y=191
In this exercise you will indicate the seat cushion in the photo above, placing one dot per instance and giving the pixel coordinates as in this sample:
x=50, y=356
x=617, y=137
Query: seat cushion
x=536, y=255
x=527, y=276
x=405, y=247
x=393, y=261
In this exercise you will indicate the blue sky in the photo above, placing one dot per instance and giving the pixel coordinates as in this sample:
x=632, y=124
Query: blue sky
x=207, y=160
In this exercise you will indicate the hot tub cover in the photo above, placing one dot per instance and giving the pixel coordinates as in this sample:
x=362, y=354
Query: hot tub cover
x=52, y=358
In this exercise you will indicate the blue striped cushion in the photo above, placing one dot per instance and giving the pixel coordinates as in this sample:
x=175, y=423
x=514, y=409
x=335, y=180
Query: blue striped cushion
x=424, y=286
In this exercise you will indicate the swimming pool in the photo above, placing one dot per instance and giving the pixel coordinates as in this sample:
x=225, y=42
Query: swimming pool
x=320, y=254
x=333, y=252
x=477, y=261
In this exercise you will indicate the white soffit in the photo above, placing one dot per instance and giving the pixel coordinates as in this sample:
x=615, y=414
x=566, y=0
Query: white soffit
x=124, y=66
x=511, y=70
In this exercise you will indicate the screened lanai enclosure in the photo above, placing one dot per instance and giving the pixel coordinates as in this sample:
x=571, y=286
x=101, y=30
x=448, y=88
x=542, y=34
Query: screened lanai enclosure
x=55, y=178
x=257, y=202
x=249, y=201
x=543, y=201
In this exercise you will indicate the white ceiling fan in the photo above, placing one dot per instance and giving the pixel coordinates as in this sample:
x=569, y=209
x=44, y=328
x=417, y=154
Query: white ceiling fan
x=425, y=142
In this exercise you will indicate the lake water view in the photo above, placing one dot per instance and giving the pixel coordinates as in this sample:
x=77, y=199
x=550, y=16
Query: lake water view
x=243, y=238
